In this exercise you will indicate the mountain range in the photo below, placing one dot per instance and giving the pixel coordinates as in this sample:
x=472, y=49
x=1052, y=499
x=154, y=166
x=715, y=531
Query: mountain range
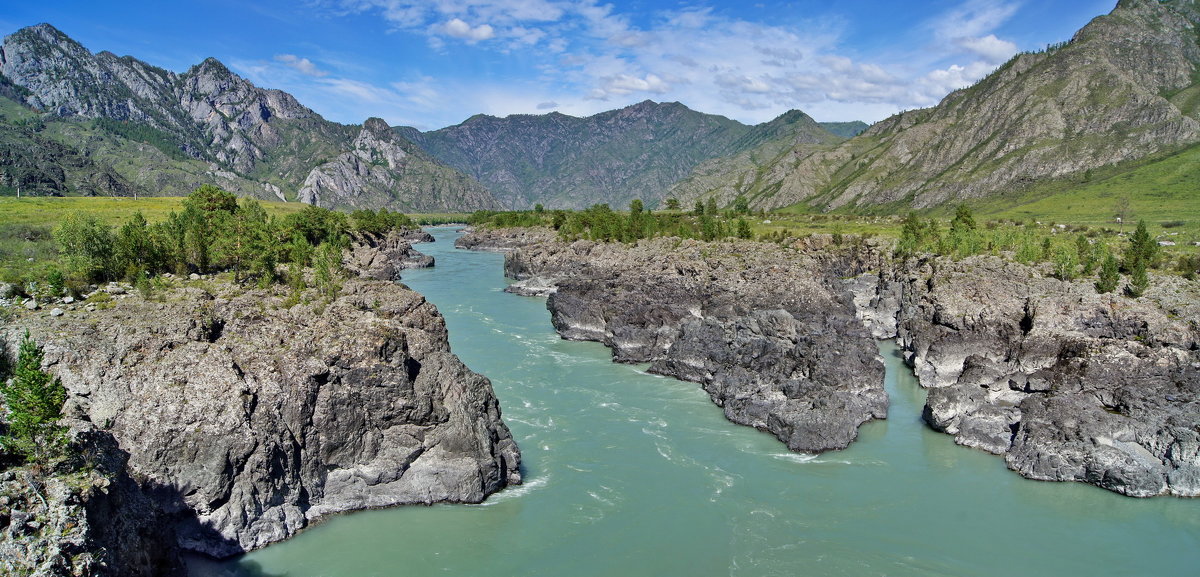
x=1119, y=94
x=1122, y=94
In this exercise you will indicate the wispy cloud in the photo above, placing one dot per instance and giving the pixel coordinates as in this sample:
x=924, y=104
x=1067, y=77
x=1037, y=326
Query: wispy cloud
x=302, y=65
x=585, y=56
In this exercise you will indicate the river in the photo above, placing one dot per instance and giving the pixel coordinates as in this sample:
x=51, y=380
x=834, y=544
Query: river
x=630, y=474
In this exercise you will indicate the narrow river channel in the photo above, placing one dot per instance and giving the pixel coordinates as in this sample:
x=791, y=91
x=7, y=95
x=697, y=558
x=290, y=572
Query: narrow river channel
x=629, y=474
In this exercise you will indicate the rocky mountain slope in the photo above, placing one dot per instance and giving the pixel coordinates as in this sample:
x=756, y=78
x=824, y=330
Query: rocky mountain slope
x=1065, y=383
x=613, y=157
x=1122, y=90
x=242, y=421
x=205, y=124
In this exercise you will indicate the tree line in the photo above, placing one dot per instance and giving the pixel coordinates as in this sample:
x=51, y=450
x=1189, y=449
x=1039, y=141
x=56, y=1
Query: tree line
x=214, y=232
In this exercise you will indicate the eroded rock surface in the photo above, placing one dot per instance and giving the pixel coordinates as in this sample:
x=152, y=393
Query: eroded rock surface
x=243, y=421
x=1068, y=384
x=1065, y=383
x=777, y=346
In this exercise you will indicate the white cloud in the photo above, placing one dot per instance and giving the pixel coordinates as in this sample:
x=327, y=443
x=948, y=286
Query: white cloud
x=990, y=48
x=586, y=56
x=457, y=28
x=302, y=65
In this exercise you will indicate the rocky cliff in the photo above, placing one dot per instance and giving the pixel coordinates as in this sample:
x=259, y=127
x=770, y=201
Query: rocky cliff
x=613, y=157
x=1065, y=383
x=778, y=347
x=1122, y=91
x=243, y=421
x=210, y=125
x=383, y=164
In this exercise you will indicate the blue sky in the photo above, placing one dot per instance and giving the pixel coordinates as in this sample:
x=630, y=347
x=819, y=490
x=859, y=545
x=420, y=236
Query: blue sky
x=435, y=63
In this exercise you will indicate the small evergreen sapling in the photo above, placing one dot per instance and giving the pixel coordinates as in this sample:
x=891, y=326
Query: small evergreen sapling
x=34, y=400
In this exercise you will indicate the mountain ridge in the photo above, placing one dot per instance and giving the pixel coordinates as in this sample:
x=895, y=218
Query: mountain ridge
x=254, y=141
x=611, y=157
x=1122, y=89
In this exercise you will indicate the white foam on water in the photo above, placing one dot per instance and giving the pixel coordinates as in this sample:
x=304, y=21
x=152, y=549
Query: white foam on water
x=516, y=491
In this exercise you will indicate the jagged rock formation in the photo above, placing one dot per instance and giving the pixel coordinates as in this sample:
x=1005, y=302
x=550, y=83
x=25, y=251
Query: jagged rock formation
x=779, y=348
x=613, y=157
x=382, y=164
x=1121, y=90
x=243, y=421
x=88, y=517
x=385, y=257
x=1067, y=384
x=210, y=125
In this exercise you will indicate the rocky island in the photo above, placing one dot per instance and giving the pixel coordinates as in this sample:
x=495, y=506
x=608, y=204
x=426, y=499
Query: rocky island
x=1066, y=383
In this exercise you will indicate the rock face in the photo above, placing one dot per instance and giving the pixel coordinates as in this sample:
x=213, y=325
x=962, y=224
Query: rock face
x=778, y=347
x=613, y=157
x=244, y=421
x=206, y=125
x=1068, y=384
x=1065, y=383
x=383, y=258
x=89, y=518
x=1122, y=89
x=384, y=165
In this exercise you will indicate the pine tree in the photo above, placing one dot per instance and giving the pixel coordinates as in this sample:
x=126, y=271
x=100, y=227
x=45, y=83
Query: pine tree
x=34, y=400
x=1109, y=276
x=1142, y=250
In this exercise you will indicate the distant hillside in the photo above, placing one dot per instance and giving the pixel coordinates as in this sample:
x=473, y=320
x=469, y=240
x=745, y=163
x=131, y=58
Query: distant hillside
x=613, y=157
x=1121, y=93
x=116, y=125
x=846, y=129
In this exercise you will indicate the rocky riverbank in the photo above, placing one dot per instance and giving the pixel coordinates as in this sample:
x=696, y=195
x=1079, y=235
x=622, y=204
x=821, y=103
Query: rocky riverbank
x=1067, y=384
x=238, y=420
x=778, y=347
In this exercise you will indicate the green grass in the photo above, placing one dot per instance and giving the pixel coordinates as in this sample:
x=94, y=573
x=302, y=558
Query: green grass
x=47, y=211
x=1160, y=191
x=26, y=244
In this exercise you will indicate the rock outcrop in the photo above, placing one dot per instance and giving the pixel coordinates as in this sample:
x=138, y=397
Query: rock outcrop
x=383, y=165
x=1067, y=384
x=84, y=517
x=778, y=347
x=244, y=421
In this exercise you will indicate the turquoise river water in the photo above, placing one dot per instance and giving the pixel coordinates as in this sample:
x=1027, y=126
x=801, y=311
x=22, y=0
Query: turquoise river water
x=629, y=474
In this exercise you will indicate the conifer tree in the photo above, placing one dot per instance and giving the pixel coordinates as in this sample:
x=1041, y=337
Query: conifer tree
x=34, y=400
x=1109, y=276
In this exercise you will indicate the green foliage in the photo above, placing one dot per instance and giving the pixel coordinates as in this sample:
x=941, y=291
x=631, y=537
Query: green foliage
x=672, y=204
x=327, y=270
x=1142, y=251
x=379, y=222
x=159, y=139
x=34, y=400
x=741, y=205
x=963, y=219
x=743, y=229
x=1139, y=281
x=699, y=209
x=1109, y=274
x=1065, y=263
x=86, y=246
